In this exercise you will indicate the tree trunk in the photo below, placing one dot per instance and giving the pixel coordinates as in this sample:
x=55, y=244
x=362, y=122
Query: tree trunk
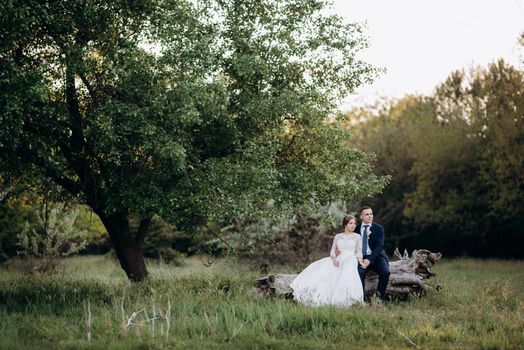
x=126, y=247
x=407, y=277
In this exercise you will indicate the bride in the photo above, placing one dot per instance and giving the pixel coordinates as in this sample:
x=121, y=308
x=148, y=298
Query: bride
x=333, y=280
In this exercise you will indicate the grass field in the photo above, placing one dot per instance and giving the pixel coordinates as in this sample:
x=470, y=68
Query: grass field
x=211, y=305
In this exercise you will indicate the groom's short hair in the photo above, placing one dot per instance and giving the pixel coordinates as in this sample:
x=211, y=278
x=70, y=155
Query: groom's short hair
x=364, y=208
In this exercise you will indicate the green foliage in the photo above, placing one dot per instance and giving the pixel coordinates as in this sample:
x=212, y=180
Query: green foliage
x=22, y=212
x=93, y=231
x=457, y=164
x=14, y=214
x=166, y=243
x=281, y=240
x=479, y=306
x=185, y=109
x=51, y=238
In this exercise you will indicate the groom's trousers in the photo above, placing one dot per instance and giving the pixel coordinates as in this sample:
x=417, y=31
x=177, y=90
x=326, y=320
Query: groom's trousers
x=381, y=267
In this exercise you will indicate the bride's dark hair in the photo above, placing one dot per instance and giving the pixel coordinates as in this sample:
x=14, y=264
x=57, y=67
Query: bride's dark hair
x=346, y=220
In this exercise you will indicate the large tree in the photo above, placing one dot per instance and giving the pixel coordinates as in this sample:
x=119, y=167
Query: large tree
x=187, y=109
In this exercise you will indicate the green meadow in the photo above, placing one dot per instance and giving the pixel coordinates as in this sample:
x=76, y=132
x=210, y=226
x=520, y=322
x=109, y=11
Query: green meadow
x=211, y=304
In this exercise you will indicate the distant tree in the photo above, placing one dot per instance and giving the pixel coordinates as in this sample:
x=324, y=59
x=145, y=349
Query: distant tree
x=456, y=160
x=489, y=103
x=192, y=110
x=398, y=132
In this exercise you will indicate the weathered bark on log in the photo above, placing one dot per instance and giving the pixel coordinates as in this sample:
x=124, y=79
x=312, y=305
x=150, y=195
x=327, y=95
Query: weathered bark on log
x=407, y=277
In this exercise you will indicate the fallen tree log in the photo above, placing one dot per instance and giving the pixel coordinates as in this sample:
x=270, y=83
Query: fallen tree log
x=408, y=276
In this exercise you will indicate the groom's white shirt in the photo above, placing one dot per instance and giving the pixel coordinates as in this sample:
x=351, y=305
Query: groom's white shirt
x=362, y=233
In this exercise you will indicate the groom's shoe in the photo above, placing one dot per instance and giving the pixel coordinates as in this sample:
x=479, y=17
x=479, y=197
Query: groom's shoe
x=384, y=297
x=377, y=296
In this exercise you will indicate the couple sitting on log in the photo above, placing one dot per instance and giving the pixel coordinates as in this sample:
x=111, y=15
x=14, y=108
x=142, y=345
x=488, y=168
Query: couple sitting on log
x=340, y=278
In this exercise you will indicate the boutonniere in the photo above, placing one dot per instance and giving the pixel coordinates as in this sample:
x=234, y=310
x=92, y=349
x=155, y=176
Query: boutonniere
x=368, y=232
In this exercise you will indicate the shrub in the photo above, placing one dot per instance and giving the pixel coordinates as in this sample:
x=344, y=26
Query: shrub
x=52, y=238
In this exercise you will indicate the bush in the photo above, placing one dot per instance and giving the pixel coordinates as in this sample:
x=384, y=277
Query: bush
x=283, y=240
x=51, y=239
x=164, y=242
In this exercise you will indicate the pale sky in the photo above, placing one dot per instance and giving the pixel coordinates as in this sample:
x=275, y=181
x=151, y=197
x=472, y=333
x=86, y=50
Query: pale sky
x=420, y=42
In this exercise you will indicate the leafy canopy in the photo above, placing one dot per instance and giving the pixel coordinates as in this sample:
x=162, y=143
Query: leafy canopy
x=188, y=109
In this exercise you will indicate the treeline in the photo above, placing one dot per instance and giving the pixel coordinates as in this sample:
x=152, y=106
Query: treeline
x=456, y=166
x=456, y=161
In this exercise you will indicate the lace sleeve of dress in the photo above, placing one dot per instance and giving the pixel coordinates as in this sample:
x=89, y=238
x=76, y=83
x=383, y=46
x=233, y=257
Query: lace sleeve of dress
x=332, y=252
x=358, y=248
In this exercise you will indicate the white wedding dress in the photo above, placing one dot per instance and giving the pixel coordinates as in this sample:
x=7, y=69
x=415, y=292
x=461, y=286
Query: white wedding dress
x=322, y=283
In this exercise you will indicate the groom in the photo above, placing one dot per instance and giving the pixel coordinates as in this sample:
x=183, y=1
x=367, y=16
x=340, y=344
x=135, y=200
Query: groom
x=374, y=257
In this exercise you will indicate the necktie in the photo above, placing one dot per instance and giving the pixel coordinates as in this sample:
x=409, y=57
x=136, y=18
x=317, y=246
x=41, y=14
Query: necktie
x=365, y=241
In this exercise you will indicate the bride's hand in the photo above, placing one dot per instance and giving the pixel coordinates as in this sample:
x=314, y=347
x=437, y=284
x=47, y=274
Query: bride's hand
x=336, y=263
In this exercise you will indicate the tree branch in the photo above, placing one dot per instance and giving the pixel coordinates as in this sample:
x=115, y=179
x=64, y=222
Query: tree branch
x=89, y=87
x=73, y=110
x=78, y=156
x=142, y=231
x=220, y=237
x=56, y=175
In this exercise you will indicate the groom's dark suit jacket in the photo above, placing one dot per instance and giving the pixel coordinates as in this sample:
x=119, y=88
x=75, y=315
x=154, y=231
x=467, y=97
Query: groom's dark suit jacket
x=375, y=241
